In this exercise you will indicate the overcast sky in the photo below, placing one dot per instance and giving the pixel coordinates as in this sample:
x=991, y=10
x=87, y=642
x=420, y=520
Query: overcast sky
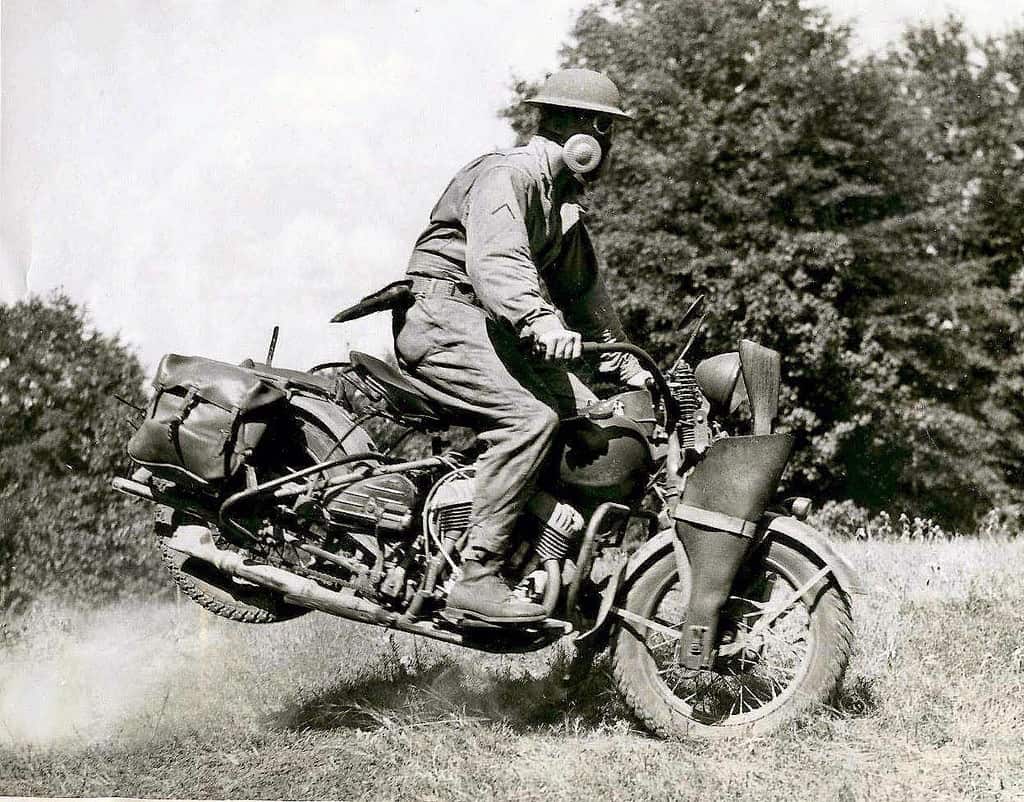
x=195, y=171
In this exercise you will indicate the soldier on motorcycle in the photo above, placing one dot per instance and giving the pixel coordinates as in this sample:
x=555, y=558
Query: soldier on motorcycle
x=507, y=220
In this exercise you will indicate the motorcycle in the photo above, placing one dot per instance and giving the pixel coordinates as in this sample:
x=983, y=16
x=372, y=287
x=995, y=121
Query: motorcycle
x=653, y=533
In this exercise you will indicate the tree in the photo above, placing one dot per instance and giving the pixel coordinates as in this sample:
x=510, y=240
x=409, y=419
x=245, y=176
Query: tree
x=65, y=532
x=956, y=331
x=791, y=183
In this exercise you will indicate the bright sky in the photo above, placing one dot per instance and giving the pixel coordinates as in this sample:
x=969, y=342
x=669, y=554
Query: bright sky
x=199, y=170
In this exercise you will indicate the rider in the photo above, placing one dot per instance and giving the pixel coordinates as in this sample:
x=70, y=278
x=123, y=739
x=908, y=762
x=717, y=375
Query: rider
x=507, y=220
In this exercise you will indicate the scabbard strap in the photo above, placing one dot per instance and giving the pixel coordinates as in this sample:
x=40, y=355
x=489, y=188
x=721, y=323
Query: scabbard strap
x=443, y=288
x=715, y=520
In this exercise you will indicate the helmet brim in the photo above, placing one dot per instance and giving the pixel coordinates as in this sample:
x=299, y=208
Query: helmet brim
x=576, y=103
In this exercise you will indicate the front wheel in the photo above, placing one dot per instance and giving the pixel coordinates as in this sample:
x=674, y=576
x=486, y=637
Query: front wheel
x=771, y=672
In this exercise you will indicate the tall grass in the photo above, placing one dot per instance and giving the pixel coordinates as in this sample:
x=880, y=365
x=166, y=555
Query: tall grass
x=165, y=700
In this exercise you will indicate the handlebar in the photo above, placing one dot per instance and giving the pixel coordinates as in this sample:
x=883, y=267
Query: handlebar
x=672, y=411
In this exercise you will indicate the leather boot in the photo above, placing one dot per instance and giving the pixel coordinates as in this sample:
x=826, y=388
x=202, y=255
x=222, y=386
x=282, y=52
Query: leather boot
x=483, y=595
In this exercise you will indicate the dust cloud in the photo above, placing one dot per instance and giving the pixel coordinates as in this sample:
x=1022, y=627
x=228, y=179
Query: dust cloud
x=139, y=673
x=123, y=671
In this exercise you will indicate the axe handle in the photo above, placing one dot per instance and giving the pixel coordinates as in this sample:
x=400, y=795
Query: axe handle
x=761, y=374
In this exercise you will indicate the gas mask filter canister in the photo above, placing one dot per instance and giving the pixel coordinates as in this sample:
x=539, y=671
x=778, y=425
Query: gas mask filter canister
x=582, y=153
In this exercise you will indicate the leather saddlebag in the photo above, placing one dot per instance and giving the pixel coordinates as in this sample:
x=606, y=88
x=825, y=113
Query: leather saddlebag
x=205, y=419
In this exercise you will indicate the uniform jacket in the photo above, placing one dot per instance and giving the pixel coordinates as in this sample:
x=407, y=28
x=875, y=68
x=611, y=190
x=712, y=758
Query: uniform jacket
x=505, y=222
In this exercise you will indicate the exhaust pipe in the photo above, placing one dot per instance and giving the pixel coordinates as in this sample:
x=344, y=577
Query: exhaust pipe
x=132, y=488
x=196, y=541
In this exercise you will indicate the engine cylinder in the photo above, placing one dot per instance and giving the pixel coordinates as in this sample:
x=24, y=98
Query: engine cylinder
x=560, y=523
x=450, y=503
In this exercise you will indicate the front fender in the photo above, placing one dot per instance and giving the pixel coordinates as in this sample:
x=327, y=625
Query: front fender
x=816, y=546
x=778, y=528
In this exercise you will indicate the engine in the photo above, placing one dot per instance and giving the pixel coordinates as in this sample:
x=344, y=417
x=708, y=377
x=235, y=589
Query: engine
x=554, y=524
x=386, y=504
x=450, y=503
x=380, y=503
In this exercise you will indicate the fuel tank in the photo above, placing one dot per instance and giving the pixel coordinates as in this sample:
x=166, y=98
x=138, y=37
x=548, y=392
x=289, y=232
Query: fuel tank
x=602, y=456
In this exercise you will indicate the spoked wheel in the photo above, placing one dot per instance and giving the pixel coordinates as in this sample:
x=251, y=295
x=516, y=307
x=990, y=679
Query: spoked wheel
x=790, y=645
x=292, y=444
x=224, y=595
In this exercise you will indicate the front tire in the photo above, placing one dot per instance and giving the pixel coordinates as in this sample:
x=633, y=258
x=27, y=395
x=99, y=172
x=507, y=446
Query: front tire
x=785, y=669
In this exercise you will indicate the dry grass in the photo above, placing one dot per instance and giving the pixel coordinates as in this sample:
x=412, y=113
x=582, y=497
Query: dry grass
x=166, y=700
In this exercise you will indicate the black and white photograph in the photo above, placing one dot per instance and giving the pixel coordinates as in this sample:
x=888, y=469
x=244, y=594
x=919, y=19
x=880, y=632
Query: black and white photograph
x=537, y=400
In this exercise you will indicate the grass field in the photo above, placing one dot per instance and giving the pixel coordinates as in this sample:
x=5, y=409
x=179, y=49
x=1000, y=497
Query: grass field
x=166, y=700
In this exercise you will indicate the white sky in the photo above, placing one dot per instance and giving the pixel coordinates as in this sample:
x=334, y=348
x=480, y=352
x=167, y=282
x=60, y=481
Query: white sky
x=195, y=171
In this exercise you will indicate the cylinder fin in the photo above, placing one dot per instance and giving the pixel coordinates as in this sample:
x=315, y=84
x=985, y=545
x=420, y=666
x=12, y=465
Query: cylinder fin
x=560, y=523
x=552, y=545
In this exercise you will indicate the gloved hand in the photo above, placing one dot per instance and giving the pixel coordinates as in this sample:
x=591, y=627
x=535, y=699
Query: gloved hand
x=626, y=368
x=559, y=344
x=640, y=379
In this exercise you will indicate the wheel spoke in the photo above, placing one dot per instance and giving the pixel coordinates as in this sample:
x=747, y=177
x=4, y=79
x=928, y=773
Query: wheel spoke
x=772, y=640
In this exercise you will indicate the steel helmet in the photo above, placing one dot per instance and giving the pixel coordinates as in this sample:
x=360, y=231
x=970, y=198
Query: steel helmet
x=580, y=89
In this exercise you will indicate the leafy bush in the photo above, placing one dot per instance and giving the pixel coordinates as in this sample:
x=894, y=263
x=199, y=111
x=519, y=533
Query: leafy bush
x=65, y=533
x=846, y=520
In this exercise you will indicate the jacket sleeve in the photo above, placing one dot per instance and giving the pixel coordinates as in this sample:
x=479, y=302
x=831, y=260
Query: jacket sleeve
x=498, y=256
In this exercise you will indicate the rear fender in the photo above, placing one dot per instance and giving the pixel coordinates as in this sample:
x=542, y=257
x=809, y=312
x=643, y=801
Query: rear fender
x=335, y=419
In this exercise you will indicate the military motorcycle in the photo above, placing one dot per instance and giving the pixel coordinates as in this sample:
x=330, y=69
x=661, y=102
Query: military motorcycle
x=655, y=533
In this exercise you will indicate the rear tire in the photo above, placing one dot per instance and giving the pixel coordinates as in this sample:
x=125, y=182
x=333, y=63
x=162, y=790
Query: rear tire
x=295, y=443
x=224, y=595
x=795, y=666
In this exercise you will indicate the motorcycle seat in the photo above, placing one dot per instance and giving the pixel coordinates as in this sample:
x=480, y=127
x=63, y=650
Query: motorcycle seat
x=408, y=397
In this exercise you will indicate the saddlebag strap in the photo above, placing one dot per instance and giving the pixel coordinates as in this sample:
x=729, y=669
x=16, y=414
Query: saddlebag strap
x=439, y=287
x=714, y=520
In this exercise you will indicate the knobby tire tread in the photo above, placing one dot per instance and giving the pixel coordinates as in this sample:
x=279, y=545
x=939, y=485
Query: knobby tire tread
x=822, y=682
x=247, y=614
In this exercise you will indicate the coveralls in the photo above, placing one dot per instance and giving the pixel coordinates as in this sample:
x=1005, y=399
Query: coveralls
x=505, y=221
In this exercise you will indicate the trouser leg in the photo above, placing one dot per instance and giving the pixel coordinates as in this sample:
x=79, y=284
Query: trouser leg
x=454, y=348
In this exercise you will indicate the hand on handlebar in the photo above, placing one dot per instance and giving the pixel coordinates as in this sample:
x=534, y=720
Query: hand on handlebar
x=559, y=344
x=641, y=380
x=664, y=392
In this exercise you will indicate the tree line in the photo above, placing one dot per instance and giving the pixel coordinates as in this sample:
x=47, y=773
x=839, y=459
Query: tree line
x=861, y=214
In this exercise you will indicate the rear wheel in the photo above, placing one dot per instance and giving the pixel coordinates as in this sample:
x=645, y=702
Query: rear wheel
x=790, y=662
x=294, y=443
x=223, y=595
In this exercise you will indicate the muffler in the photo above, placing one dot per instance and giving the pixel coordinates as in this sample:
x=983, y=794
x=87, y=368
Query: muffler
x=716, y=520
x=196, y=541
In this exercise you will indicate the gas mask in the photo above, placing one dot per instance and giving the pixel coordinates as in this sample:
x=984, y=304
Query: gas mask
x=587, y=153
